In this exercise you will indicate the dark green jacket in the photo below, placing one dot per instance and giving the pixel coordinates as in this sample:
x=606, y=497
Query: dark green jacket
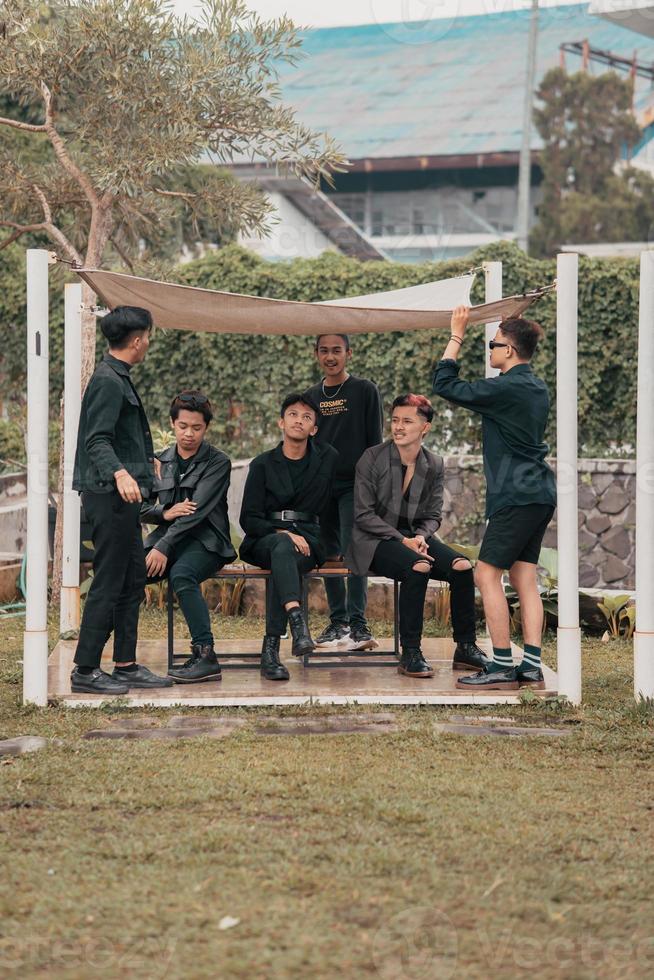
x=269, y=489
x=113, y=432
x=206, y=481
x=514, y=408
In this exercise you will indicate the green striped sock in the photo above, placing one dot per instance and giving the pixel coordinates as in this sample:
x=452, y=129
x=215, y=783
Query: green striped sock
x=502, y=659
x=531, y=658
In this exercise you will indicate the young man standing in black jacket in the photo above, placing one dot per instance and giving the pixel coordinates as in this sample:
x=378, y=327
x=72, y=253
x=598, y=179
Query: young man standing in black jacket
x=191, y=541
x=114, y=471
x=286, y=492
x=520, y=489
x=351, y=419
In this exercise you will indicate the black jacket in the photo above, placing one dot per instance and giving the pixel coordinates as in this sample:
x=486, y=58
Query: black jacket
x=268, y=489
x=113, y=432
x=514, y=408
x=206, y=481
x=378, y=501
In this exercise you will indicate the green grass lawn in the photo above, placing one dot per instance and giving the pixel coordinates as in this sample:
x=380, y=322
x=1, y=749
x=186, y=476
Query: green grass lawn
x=411, y=855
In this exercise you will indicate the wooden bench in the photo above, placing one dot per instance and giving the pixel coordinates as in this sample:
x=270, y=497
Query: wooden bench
x=318, y=658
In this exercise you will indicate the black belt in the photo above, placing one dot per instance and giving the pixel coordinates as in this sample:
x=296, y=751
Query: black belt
x=289, y=516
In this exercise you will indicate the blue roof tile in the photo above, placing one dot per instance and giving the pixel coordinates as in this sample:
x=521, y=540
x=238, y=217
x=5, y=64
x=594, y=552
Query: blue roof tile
x=444, y=87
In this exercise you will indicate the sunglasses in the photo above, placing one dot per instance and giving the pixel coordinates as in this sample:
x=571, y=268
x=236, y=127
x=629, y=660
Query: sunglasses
x=192, y=399
x=492, y=344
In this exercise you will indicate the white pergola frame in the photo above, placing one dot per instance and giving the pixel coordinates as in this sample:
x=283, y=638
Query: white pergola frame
x=35, y=671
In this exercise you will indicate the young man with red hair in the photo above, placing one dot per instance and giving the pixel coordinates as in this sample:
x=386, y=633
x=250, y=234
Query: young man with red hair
x=398, y=498
x=520, y=489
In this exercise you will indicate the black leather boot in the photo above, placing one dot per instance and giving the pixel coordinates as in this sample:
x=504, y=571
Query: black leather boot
x=202, y=665
x=271, y=667
x=468, y=656
x=413, y=664
x=302, y=642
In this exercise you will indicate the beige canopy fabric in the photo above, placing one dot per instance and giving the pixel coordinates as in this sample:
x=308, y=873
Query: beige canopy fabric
x=175, y=307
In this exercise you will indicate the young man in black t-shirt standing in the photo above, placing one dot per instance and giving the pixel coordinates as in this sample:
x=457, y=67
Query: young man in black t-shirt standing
x=351, y=421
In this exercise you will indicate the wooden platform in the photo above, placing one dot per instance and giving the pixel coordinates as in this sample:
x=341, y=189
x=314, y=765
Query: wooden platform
x=324, y=685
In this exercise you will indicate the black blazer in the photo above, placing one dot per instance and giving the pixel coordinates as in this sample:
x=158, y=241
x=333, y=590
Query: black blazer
x=268, y=488
x=206, y=481
x=378, y=501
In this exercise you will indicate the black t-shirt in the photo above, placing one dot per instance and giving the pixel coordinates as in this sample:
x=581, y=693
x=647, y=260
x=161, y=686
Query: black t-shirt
x=351, y=420
x=403, y=523
x=298, y=468
x=183, y=464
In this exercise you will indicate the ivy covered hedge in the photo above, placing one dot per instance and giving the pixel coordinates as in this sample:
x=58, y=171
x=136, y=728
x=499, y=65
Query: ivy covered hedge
x=247, y=376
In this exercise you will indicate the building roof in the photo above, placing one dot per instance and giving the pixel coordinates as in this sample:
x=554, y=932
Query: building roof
x=451, y=87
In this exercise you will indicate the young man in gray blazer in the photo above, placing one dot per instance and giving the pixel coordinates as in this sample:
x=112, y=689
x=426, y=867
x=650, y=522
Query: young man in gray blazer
x=398, y=498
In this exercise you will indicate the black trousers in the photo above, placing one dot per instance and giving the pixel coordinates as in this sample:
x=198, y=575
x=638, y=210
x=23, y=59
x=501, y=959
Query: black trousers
x=189, y=564
x=277, y=552
x=116, y=592
x=347, y=602
x=396, y=561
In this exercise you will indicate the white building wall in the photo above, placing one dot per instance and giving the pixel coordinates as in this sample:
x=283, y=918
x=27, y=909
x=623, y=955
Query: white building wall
x=292, y=236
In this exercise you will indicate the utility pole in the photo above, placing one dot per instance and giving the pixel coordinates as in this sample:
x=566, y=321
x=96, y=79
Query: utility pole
x=524, y=178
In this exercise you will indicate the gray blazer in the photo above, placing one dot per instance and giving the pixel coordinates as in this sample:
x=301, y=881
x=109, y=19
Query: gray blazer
x=378, y=498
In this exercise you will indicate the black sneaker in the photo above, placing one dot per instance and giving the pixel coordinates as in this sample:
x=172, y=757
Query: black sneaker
x=336, y=634
x=362, y=639
x=413, y=664
x=141, y=677
x=468, y=656
x=202, y=665
x=97, y=682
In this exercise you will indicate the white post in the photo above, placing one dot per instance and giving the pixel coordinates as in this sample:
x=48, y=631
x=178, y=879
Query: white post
x=35, y=641
x=493, y=276
x=69, y=613
x=568, y=633
x=644, y=633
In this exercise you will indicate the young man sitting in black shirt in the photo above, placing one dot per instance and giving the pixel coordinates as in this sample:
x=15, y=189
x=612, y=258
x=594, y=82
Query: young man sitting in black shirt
x=285, y=493
x=191, y=540
x=351, y=420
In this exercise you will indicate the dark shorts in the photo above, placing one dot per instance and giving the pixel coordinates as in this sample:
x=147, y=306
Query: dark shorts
x=515, y=534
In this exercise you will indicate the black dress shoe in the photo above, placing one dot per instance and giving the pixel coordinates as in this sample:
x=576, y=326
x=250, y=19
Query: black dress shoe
x=413, y=664
x=302, y=642
x=271, y=666
x=491, y=680
x=532, y=676
x=97, y=682
x=468, y=656
x=202, y=665
x=141, y=677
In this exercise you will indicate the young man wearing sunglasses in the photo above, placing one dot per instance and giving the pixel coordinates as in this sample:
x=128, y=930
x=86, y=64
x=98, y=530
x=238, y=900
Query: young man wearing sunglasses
x=520, y=489
x=191, y=540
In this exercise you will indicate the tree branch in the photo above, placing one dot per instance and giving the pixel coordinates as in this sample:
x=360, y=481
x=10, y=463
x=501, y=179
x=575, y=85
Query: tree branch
x=19, y=230
x=30, y=127
x=62, y=153
x=121, y=252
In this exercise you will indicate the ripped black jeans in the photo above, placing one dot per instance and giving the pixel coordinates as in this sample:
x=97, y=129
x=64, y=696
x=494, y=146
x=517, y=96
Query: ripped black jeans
x=394, y=560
